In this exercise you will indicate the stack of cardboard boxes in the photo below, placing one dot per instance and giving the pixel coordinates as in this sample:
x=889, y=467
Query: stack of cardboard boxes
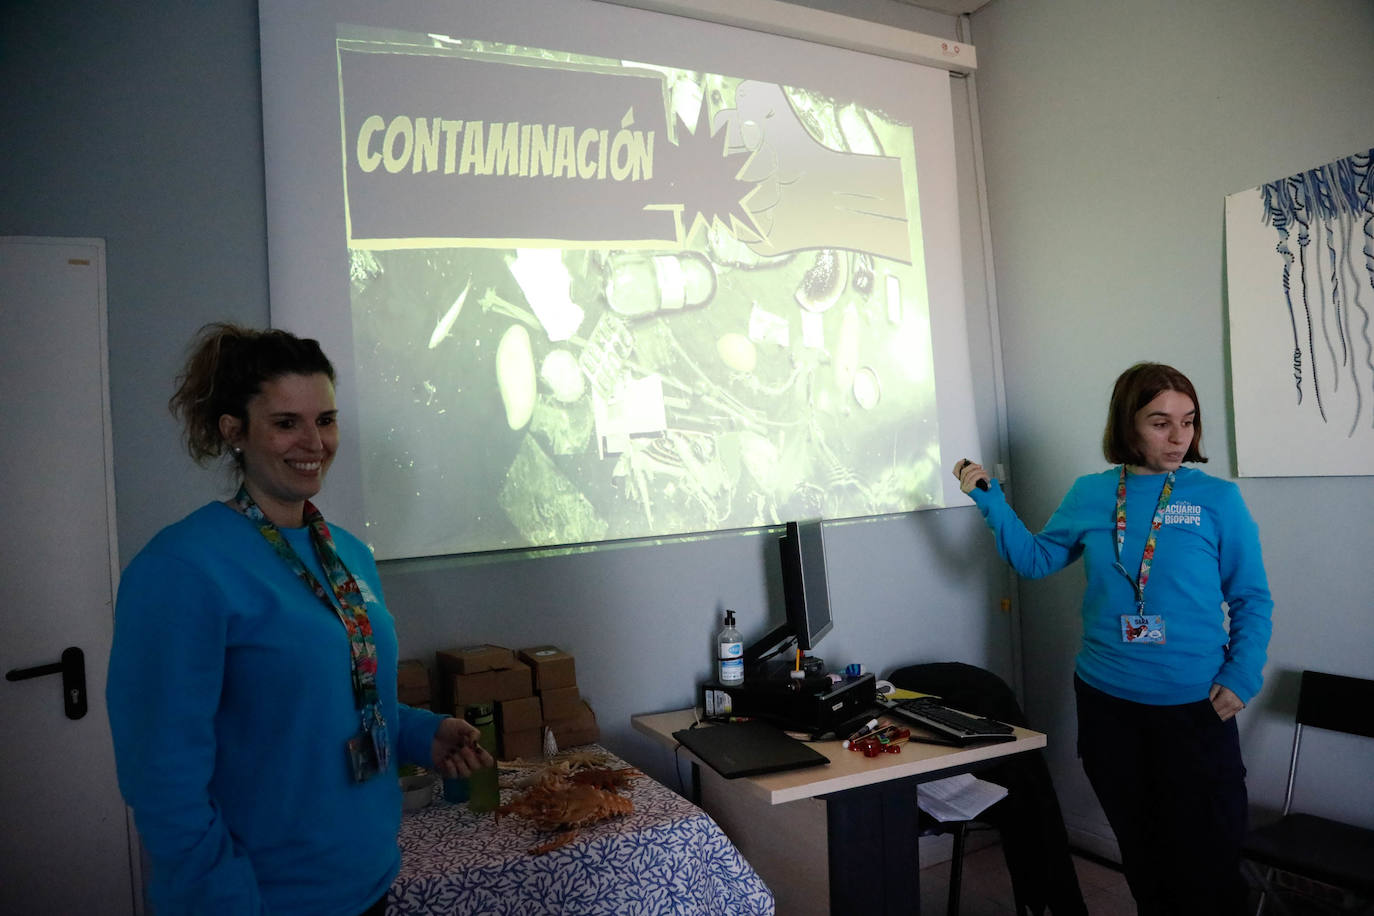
x=479, y=674
x=531, y=689
x=564, y=711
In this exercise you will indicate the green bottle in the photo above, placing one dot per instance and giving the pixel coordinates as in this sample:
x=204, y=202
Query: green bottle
x=483, y=792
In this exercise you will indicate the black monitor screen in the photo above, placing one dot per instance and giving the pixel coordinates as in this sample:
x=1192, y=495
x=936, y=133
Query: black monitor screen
x=805, y=591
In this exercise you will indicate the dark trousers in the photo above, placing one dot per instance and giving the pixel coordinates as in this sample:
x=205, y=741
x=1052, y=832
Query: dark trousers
x=377, y=909
x=1172, y=784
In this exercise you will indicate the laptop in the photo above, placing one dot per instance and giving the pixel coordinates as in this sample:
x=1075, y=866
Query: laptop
x=751, y=748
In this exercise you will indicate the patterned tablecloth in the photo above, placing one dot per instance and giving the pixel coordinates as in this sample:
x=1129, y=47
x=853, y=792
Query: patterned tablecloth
x=667, y=857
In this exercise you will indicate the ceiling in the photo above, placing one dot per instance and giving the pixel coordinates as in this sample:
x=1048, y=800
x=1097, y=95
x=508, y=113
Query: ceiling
x=955, y=7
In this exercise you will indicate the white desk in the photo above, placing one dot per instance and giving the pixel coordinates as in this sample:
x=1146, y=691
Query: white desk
x=869, y=816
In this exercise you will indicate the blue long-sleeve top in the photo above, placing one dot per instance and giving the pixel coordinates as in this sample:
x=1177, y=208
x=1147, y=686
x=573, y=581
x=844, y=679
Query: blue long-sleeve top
x=1207, y=552
x=231, y=700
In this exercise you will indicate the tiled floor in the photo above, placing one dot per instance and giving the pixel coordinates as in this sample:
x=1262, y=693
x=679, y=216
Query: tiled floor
x=986, y=889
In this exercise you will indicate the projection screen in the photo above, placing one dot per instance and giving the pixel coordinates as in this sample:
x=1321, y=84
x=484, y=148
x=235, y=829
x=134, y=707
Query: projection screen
x=592, y=273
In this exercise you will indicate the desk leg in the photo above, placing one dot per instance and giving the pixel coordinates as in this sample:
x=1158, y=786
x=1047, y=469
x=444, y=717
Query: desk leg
x=873, y=848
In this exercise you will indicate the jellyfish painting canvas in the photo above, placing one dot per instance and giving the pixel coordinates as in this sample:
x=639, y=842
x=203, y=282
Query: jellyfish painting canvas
x=1300, y=307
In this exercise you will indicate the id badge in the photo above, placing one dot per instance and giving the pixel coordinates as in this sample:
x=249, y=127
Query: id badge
x=1142, y=628
x=362, y=757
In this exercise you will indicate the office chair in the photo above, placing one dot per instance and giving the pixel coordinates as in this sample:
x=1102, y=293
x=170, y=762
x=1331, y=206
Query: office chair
x=1319, y=849
x=1034, y=840
x=959, y=831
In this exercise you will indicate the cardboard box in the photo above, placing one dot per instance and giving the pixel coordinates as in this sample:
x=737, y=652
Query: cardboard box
x=467, y=660
x=560, y=703
x=412, y=683
x=512, y=683
x=552, y=667
x=580, y=729
x=473, y=659
x=527, y=744
x=519, y=715
x=467, y=689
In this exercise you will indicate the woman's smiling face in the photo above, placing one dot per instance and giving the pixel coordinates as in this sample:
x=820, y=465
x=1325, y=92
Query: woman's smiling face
x=287, y=443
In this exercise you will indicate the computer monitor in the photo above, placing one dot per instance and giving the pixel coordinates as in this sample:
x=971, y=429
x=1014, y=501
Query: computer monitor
x=804, y=587
x=806, y=595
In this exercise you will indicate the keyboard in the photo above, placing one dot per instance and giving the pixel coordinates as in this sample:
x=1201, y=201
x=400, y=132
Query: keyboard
x=949, y=724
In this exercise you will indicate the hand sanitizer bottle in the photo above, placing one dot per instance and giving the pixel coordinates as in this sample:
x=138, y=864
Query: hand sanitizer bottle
x=730, y=652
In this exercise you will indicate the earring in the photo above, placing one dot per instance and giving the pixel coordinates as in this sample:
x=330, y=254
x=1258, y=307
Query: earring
x=237, y=451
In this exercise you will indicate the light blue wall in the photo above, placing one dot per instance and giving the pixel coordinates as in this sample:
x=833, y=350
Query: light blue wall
x=1112, y=134
x=141, y=124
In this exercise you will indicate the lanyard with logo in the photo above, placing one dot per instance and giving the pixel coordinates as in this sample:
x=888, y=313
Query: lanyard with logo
x=1140, y=627
x=368, y=751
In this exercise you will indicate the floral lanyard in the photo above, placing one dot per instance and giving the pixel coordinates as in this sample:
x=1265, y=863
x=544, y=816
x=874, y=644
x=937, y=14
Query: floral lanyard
x=1148, y=557
x=369, y=751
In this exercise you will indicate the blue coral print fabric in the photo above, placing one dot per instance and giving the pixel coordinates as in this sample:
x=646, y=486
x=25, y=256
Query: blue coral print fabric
x=667, y=857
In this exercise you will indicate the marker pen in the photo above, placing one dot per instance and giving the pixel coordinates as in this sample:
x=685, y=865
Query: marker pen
x=861, y=733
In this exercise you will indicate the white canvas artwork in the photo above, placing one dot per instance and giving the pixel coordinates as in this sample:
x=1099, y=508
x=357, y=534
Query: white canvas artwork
x=1300, y=290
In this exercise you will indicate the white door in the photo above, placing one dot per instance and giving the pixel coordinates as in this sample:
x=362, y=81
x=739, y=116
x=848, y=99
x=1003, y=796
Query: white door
x=64, y=836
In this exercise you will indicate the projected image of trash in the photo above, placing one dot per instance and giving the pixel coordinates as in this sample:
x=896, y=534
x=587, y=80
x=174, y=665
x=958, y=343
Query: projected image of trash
x=597, y=300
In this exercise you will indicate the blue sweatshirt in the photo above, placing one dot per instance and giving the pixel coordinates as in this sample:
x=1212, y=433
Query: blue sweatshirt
x=1207, y=552
x=230, y=699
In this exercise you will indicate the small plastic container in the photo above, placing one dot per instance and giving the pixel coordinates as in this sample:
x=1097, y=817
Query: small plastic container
x=417, y=791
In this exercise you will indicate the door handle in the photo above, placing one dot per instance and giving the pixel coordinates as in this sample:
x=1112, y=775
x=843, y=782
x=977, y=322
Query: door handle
x=72, y=667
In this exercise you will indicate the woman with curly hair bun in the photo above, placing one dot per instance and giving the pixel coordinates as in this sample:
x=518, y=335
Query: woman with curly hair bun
x=252, y=680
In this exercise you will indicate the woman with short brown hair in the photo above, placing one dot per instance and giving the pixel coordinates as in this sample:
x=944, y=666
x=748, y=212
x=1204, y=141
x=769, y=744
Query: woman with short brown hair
x=1162, y=669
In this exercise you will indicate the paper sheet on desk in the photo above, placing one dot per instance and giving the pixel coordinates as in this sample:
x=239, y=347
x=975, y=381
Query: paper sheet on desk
x=901, y=693
x=958, y=798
